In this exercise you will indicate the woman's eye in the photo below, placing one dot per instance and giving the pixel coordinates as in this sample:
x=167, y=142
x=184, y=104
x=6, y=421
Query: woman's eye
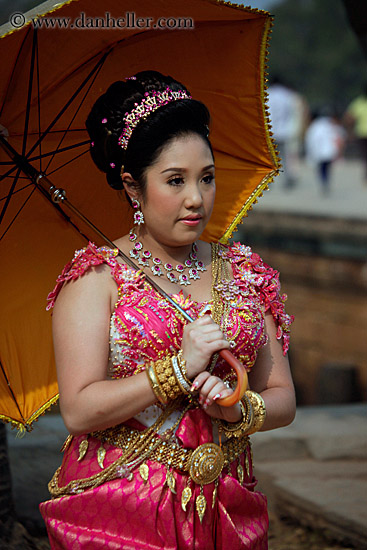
x=177, y=180
x=208, y=178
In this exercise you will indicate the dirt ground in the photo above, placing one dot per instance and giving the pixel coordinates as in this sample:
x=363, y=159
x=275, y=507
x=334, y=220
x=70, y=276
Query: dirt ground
x=284, y=534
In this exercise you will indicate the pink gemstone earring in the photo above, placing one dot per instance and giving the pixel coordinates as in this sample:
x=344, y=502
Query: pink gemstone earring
x=138, y=214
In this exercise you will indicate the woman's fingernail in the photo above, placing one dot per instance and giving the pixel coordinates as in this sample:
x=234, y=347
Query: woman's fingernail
x=207, y=402
x=217, y=396
x=194, y=386
x=205, y=405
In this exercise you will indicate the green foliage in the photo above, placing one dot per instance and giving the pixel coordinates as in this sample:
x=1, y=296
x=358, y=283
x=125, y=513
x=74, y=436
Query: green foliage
x=314, y=50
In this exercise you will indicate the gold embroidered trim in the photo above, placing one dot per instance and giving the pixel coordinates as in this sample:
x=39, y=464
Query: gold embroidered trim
x=265, y=182
x=34, y=15
x=26, y=426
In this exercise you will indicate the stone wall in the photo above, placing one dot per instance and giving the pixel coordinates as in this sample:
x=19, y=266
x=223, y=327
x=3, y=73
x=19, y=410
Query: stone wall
x=328, y=297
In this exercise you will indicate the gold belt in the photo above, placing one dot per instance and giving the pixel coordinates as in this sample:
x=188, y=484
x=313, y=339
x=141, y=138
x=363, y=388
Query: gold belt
x=204, y=464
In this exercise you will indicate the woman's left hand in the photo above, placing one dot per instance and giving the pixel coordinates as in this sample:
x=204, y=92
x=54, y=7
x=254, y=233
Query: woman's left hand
x=211, y=389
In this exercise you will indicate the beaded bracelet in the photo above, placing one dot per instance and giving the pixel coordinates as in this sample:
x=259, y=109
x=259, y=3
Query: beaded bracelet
x=181, y=381
x=182, y=364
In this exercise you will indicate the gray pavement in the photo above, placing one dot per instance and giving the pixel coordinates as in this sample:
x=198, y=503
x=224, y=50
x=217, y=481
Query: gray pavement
x=314, y=470
x=347, y=197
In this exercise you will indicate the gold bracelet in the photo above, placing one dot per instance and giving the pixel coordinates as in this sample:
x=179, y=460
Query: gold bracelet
x=259, y=409
x=241, y=428
x=166, y=377
x=156, y=387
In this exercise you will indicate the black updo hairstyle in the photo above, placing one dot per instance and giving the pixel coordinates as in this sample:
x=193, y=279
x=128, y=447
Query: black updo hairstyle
x=105, y=123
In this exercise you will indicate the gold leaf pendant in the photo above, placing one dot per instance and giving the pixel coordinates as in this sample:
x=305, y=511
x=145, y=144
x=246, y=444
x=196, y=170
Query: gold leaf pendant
x=144, y=472
x=185, y=497
x=66, y=443
x=83, y=448
x=215, y=492
x=101, y=453
x=200, y=506
x=247, y=465
x=171, y=482
x=240, y=473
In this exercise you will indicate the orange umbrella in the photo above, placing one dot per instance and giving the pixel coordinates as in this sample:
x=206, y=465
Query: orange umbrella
x=50, y=78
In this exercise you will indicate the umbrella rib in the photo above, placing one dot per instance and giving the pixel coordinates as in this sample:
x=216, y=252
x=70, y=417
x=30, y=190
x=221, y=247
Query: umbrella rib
x=8, y=173
x=76, y=112
x=57, y=151
x=65, y=107
x=17, y=214
x=14, y=68
x=11, y=392
x=26, y=123
x=19, y=189
x=68, y=162
x=39, y=107
x=9, y=195
x=29, y=96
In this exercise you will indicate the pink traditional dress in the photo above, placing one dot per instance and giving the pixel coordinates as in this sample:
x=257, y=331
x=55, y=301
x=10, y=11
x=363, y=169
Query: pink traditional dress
x=114, y=492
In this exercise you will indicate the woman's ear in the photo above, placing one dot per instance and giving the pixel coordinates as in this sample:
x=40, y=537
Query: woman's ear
x=129, y=185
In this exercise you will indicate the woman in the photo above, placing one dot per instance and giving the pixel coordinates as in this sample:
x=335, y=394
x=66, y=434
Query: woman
x=154, y=460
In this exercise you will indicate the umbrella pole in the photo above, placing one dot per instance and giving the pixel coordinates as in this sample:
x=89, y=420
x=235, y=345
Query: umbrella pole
x=57, y=196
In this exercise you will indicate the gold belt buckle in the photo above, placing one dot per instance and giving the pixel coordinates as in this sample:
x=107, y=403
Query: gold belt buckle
x=206, y=463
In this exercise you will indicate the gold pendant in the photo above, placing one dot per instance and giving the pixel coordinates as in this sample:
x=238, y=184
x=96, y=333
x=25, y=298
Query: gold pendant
x=185, y=497
x=171, y=482
x=247, y=464
x=83, y=448
x=201, y=506
x=206, y=463
x=101, y=453
x=144, y=472
x=240, y=474
x=215, y=492
x=66, y=443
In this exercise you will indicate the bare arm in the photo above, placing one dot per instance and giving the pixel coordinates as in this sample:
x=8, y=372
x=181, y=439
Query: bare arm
x=271, y=377
x=88, y=401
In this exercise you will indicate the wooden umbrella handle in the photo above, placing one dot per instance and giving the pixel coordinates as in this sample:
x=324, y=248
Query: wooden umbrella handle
x=242, y=380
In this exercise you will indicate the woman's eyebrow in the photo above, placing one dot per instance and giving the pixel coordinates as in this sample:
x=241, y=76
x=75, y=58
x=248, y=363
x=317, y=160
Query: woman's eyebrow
x=176, y=169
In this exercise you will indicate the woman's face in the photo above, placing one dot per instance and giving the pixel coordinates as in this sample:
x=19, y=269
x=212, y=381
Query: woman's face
x=180, y=192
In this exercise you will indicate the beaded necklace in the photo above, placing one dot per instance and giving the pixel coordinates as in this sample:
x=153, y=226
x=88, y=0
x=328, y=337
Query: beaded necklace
x=188, y=270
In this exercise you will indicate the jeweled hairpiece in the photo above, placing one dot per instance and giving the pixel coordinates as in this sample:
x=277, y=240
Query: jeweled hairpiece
x=147, y=106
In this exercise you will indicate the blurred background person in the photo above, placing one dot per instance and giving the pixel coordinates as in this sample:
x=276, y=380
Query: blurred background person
x=355, y=119
x=288, y=113
x=324, y=143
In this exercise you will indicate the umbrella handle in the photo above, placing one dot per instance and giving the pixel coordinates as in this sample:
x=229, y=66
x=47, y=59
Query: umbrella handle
x=242, y=380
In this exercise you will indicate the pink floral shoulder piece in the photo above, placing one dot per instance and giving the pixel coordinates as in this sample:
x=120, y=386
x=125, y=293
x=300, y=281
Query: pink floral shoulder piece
x=84, y=259
x=250, y=270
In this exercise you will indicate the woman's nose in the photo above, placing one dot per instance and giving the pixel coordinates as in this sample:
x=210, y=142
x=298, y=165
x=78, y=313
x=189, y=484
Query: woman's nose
x=194, y=198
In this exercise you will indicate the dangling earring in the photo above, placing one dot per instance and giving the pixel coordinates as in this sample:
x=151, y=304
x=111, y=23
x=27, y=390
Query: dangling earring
x=138, y=215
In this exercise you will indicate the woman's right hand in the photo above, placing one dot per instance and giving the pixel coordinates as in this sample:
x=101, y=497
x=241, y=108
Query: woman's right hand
x=201, y=339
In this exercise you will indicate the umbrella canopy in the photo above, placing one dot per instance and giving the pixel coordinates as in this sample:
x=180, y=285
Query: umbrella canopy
x=51, y=76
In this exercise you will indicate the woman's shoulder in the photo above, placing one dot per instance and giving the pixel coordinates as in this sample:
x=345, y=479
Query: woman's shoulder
x=243, y=257
x=250, y=269
x=83, y=260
